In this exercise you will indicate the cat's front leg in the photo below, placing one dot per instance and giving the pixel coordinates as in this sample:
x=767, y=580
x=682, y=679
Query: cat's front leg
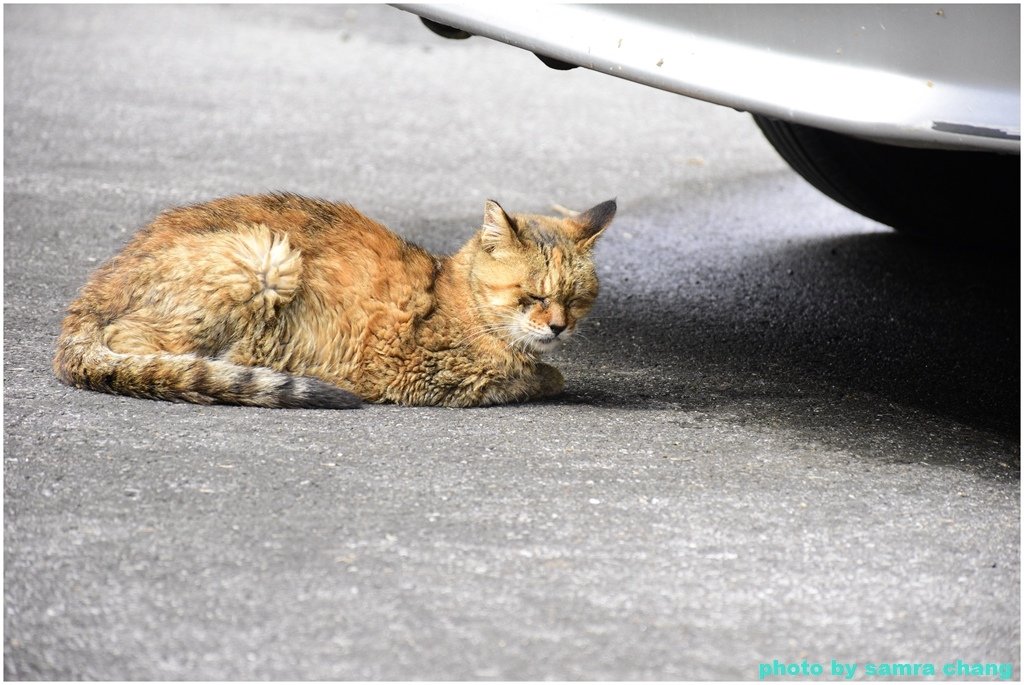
x=540, y=381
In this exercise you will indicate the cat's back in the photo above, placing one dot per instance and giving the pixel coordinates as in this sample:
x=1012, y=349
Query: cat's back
x=346, y=256
x=330, y=246
x=328, y=235
x=312, y=224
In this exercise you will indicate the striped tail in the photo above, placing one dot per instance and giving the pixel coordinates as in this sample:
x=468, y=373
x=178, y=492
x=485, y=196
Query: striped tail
x=83, y=361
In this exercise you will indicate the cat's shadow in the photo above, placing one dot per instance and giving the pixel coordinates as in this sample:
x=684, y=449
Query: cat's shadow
x=935, y=328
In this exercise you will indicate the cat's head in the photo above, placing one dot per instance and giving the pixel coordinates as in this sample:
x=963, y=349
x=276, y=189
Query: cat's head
x=533, y=276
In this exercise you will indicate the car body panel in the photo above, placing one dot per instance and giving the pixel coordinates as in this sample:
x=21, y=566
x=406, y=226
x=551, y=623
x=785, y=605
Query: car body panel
x=914, y=75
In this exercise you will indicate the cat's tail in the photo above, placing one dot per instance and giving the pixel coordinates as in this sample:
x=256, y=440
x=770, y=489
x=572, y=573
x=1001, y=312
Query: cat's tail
x=84, y=361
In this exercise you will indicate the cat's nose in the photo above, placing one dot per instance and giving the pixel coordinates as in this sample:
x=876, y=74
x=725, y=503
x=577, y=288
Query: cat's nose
x=556, y=329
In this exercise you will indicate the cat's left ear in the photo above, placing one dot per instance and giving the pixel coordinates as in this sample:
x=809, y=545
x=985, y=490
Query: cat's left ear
x=498, y=230
x=589, y=225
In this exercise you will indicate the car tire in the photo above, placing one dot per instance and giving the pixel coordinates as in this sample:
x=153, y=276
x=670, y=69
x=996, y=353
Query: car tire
x=937, y=194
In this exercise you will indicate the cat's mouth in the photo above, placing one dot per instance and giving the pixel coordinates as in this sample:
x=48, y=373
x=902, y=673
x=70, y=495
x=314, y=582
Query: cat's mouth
x=545, y=343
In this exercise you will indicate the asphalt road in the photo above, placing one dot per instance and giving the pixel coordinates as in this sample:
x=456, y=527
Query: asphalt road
x=788, y=433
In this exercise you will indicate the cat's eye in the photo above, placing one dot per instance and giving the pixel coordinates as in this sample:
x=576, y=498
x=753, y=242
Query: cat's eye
x=530, y=298
x=578, y=303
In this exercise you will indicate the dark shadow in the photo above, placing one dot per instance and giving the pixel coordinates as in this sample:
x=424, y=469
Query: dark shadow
x=931, y=327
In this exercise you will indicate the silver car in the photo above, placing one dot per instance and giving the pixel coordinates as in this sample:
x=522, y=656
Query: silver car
x=908, y=114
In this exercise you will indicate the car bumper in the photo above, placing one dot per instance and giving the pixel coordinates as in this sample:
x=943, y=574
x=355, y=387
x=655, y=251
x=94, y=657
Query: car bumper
x=912, y=75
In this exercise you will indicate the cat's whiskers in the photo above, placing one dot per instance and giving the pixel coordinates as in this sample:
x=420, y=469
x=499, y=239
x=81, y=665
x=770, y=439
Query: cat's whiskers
x=577, y=334
x=478, y=333
x=522, y=339
x=501, y=329
x=582, y=330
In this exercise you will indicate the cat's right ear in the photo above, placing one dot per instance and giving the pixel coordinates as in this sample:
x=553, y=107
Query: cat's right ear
x=589, y=225
x=498, y=229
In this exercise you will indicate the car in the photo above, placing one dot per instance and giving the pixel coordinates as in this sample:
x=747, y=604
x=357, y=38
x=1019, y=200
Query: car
x=907, y=114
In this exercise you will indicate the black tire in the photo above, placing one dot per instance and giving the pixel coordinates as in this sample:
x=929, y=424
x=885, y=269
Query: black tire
x=936, y=194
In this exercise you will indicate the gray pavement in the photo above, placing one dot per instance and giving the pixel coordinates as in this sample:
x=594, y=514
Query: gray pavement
x=788, y=433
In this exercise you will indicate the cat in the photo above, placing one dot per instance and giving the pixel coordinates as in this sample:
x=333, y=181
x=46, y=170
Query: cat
x=280, y=300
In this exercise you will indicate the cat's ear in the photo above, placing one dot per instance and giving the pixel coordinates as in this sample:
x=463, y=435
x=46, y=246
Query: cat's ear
x=588, y=225
x=498, y=229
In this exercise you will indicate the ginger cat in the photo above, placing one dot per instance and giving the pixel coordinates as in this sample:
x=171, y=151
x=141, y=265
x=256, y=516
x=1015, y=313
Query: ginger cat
x=284, y=301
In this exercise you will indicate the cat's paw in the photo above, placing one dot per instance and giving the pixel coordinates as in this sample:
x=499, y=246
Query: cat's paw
x=550, y=380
